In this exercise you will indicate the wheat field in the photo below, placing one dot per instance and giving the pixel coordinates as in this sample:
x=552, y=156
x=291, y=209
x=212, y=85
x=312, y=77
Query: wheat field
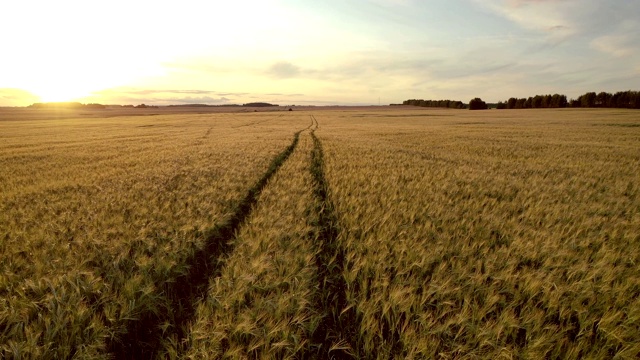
x=379, y=233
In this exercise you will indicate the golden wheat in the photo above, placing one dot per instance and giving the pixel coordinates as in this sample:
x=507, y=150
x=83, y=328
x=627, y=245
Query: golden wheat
x=261, y=305
x=97, y=214
x=408, y=233
x=501, y=234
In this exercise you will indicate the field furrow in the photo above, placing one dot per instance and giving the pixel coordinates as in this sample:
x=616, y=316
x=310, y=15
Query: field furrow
x=145, y=334
x=261, y=304
x=339, y=325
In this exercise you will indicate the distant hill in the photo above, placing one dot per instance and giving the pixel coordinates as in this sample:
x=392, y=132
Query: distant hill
x=259, y=104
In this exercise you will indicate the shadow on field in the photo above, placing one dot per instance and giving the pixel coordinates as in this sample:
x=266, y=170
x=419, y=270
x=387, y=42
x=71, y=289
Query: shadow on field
x=338, y=330
x=143, y=337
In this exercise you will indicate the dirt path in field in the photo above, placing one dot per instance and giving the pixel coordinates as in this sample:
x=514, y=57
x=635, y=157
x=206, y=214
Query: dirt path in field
x=336, y=334
x=145, y=334
x=338, y=329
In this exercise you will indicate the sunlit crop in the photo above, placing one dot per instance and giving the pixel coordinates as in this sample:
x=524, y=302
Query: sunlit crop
x=369, y=233
x=99, y=217
x=502, y=234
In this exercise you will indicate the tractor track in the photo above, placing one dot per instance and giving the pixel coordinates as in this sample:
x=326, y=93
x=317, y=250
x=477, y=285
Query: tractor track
x=337, y=332
x=143, y=337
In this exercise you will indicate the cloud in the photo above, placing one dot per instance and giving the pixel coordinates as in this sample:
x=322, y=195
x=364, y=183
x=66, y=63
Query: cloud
x=193, y=100
x=191, y=91
x=393, y=3
x=623, y=41
x=558, y=28
x=280, y=94
x=17, y=97
x=232, y=94
x=124, y=99
x=613, y=45
x=283, y=70
x=156, y=91
x=551, y=17
x=128, y=95
x=163, y=92
x=519, y=3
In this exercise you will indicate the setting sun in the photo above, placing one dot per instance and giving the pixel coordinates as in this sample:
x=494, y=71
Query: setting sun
x=79, y=78
x=59, y=92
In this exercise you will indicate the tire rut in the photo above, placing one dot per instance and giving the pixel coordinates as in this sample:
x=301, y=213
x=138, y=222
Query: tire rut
x=144, y=337
x=337, y=332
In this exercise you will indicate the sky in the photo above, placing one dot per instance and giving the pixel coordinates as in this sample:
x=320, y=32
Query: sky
x=307, y=52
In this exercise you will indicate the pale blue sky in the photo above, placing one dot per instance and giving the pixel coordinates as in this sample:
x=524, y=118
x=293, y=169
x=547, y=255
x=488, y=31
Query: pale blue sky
x=315, y=52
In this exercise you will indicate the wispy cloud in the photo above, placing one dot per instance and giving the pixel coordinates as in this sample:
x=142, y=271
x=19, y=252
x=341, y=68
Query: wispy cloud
x=550, y=17
x=17, y=97
x=125, y=95
x=614, y=45
x=393, y=3
x=193, y=100
x=623, y=41
x=519, y=3
x=281, y=94
x=283, y=70
x=159, y=91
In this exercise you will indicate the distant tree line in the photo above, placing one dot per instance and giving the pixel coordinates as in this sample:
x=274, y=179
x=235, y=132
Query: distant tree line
x=535, y=102
x=621, y=99
x=435, y=103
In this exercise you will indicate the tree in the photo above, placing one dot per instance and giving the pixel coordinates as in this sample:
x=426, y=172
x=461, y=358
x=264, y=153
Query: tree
x=635, y=100
x=546, y=101
x=588, y=99
x=558, y=101
x=435, y=103
x=537, y=102
x=477, y=104
x=528, y=103
x=603, y=99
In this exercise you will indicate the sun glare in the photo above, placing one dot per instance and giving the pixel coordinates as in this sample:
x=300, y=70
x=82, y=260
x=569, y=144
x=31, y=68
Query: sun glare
x=81, y=85
x=61, y=93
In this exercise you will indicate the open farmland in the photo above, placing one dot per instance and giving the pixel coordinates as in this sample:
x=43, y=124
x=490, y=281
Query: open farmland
x=102, y=221
x=495, y=234
x=367, y=233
